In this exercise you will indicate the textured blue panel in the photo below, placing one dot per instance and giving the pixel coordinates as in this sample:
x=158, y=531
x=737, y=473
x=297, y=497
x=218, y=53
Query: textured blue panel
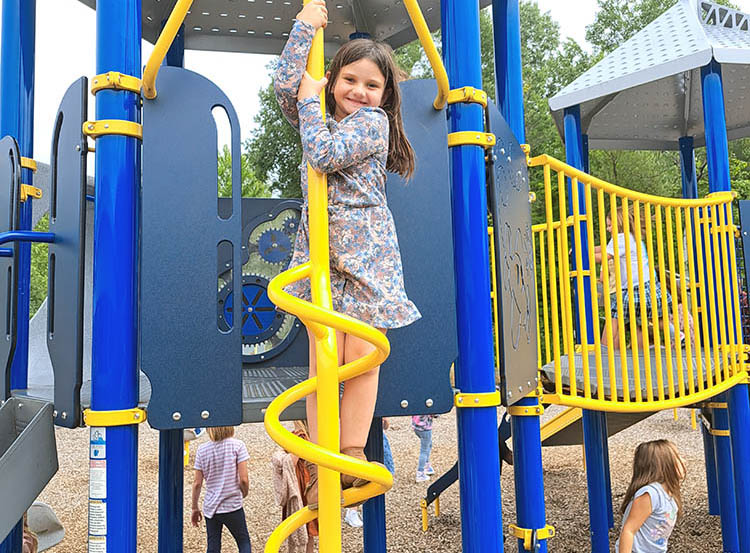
x=195, y=368
x=511, y=213
x=10, y=186
x=66, y=255
x=422, y=353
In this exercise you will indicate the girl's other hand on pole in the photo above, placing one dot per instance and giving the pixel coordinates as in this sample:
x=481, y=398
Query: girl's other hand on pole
x=309, y=87
x=314, y=13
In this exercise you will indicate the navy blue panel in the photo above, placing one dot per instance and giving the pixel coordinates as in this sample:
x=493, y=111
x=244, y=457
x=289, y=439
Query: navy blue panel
x=195, y=367
x=417, y=370
x=511, y=214
x=10, y=187
x=67, y=220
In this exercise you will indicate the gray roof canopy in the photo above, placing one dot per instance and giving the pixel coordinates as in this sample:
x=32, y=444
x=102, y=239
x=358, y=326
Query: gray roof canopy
x=262, y=26
x=647, y=94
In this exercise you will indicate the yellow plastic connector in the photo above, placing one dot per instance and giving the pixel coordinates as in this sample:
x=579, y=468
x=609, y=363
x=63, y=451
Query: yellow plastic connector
x=95, y=129
x=467, y=95
x=28, y=163
x=525, y=410
x=527, y=535
x=471, y=138
x=116, y=81
x=28, y=191
x=122, y=417
x=487, y=399
x=717, y=432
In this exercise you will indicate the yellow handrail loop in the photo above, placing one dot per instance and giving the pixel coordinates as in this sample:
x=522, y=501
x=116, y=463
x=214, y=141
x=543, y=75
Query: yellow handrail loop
x=423, y=32
x=162, y=45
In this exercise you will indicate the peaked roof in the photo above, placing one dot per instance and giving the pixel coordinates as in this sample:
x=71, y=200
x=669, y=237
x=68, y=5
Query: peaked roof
x=647, y=93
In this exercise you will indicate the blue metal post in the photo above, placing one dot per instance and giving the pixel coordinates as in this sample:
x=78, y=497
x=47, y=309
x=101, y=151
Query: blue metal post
x=687, y=166
x=373, y=510
x=711, y=482
x=585, y=152
x=717, y=155
x=171, y=442
x=727, y=503
x=479, y=466
x=114, y=328
x=17, y=60
x=527, y=444
x=17, y=120
x=594, y=423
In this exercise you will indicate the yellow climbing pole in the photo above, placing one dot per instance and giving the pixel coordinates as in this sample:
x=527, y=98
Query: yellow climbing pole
x=323, y=322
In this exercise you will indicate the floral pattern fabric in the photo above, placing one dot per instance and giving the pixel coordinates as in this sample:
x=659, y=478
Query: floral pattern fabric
x=366, y=273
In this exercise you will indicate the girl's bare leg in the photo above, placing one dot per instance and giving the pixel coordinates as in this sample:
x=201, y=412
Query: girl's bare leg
x=360, y=394
x=311, y=401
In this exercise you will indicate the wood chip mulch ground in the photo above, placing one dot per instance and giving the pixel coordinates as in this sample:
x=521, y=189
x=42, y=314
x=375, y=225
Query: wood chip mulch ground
x=564, y=479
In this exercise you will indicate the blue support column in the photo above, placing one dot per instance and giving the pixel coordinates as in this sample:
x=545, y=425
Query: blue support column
x=373, y=511
x=594, y=423
x=711, y=482
x=114, y=328
x=171, y=442
x=527, y=444
x=717, y=155
x=17, y=120
x=17, y=61
x=687, y=166
x=479, y=467
x=724, y=479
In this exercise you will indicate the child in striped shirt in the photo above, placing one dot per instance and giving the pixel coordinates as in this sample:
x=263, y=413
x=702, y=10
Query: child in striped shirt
x=222, y=463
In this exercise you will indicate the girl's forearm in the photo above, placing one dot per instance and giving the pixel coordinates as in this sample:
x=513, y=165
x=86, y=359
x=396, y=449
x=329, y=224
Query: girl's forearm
x=196, y=495
x=626, y=542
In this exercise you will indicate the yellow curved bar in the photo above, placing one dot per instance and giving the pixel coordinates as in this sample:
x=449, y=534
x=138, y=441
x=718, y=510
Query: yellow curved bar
x=162, y=45
x=423, y=32
x=323, y=322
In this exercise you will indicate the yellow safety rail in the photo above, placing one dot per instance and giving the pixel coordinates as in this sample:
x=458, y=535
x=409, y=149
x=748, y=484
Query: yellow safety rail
x=323, y=322
x=165, y=40
x=672, y=354
x=423, y=32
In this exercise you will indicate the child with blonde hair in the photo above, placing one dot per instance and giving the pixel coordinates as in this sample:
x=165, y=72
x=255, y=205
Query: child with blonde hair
x=652, y=502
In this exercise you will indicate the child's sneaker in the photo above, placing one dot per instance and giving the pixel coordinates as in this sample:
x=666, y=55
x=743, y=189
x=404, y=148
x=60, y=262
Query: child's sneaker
x=421, y=476
x=429, y=471
x=352, y=518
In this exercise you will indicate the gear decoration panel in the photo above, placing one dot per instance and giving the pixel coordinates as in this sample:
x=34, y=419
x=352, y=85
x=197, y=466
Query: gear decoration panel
x=193, y=360
x=65, y=286
x=514, y=259
x=267, y=245
x=10, y=186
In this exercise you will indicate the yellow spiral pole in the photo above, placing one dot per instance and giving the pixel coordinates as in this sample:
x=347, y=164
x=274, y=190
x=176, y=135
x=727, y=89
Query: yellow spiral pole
x=323, y=322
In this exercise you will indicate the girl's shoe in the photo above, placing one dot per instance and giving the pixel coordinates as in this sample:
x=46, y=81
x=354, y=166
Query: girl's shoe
x=352, y=518
x=421, y=476
x=429, y=471
x=347, y=480
x=311, y=491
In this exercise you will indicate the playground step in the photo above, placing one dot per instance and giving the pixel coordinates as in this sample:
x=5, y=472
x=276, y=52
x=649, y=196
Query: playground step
x=28, y=456
x=566, y=428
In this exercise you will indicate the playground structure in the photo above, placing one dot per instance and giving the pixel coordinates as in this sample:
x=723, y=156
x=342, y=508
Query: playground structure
x=146, y=235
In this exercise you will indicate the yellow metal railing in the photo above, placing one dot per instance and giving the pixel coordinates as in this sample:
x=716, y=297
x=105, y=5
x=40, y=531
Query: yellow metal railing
x=637, y=295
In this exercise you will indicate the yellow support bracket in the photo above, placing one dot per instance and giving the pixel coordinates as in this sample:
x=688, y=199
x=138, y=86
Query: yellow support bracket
x=471, y=138
x=536, y=392
x=487, y=399
x=467, y=95
x=122, y=417
x=95, y=129
x=716, y=405
x=116, y=81
x=28, y=163
x=28, y=191
x=525, y=410
x=715, y=432
x=527, y=534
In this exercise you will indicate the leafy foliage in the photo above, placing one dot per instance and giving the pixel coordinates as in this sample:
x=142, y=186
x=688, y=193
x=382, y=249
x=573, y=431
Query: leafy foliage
x=252, y=187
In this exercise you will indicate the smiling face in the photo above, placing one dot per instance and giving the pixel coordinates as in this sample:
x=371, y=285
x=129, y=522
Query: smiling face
x=359, y=84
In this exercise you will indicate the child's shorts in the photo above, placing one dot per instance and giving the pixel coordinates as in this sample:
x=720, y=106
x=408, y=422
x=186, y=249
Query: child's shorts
x=662, y=298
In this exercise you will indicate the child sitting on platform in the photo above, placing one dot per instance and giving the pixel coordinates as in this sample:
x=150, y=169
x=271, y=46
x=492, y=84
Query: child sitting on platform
x=652, y=502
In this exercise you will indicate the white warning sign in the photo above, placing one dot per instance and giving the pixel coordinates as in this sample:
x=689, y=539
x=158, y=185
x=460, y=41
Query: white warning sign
x=98, y=443
x=97, y=517
x=97, y=544
x=97, y=479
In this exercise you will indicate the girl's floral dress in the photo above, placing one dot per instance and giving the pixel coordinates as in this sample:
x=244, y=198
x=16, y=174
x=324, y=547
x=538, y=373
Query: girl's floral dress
x=367, y=279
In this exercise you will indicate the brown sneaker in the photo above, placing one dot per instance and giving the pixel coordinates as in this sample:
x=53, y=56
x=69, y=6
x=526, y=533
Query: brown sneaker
x=311, y=490
x=347, y=480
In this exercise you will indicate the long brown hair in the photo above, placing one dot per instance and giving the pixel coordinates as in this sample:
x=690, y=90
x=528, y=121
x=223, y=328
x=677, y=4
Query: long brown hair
x=657, y=461
x=400, y=153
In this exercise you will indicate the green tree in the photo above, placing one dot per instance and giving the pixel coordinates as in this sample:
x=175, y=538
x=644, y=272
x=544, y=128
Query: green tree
x=252, y=187
x=38, y=283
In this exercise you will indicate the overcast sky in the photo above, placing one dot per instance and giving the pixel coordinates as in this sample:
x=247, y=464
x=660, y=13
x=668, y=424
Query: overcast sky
x=65, y=51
